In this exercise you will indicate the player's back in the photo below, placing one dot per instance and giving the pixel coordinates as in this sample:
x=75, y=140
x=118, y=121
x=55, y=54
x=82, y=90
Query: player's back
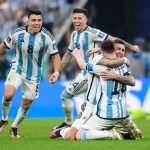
x=112, y=101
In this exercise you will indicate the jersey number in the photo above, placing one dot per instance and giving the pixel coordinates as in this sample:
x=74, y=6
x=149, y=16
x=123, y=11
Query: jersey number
x=30, y=49
x=116, y=91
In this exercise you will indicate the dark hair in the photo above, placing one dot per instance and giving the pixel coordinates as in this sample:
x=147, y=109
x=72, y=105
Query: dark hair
x=118, y=41
x=34, y=12
x=81, y=10
x=107, y=46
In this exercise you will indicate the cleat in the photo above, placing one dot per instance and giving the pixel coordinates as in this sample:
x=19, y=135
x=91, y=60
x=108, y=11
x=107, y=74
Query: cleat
x=55, y=133
x=3, y=123
x=14, y=133
x=64, y=124
x=135, y=133
x=117, y=134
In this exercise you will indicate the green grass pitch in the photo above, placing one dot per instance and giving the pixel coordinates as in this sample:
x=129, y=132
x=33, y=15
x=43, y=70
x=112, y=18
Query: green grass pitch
x=35, y=136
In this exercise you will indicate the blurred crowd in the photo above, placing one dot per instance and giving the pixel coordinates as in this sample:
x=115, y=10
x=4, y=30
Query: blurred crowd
x=13, y=15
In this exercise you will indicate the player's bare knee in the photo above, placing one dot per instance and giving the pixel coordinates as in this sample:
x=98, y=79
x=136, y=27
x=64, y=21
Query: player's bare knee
x=8, y=97
x=26, y=108
x=26, y=103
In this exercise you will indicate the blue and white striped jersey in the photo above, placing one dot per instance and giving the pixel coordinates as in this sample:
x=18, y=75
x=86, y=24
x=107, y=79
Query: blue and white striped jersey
x=111, y=96
x=89, y=38
x=29, y=51
x=93, y=82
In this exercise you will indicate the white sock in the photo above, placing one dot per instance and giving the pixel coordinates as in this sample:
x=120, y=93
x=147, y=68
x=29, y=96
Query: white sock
x=22, y=113
x=96, y=134
x=68, y=106
x=5, y=109
x=64, y=132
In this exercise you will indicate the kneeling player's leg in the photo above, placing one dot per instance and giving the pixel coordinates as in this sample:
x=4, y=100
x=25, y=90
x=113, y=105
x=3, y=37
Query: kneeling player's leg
x=97, y=128
x=67, y=105
x=130, y=130
x=77, y=86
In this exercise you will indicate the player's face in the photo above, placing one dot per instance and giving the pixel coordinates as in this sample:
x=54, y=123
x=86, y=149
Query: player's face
x=34, y=23
x=79, y=21
x=120, y=50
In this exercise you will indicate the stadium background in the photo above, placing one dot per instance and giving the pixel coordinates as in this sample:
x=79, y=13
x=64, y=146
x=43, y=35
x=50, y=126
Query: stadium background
x=126, y=19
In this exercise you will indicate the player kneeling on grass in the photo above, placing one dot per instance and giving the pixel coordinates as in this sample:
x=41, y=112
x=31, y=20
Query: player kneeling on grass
x=128, y=129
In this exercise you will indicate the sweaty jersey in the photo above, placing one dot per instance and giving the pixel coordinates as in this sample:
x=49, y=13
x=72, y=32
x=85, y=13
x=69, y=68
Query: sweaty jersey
x=29, y=51
x=89, y=38
x=111, y=94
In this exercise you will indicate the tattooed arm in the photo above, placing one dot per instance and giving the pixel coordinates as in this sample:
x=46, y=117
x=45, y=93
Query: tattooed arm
x=134, y=48
x=111, y=75
x=113, y=63
x=66, y=59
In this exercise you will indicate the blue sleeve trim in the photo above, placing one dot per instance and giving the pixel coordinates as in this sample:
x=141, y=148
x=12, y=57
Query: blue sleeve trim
x=89, y=67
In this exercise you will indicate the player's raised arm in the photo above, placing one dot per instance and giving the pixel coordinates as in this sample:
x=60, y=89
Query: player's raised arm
x=134, y=48
x=114, y=62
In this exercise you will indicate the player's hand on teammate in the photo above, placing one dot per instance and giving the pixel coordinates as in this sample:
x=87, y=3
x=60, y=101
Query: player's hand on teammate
x=53, y=77
x=108, y=75
x=91, y=51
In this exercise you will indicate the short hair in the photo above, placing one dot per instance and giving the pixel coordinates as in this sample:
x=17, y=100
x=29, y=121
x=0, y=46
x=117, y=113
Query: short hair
x=34, y=12
x=118, y=41
x=107, y=46
x=81, y=10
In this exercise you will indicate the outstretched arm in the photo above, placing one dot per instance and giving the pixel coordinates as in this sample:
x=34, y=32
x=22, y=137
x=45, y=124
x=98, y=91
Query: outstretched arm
x=134, y=48
x=111, y=75
x=112, y=63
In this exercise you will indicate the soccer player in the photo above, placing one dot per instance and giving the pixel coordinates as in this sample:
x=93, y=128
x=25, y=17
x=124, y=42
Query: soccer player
x=111, y=108
x=84, y=37
x=88, y=107
x=30, y=43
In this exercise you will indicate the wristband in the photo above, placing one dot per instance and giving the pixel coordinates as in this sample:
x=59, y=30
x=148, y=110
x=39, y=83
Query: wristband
x=57, y=73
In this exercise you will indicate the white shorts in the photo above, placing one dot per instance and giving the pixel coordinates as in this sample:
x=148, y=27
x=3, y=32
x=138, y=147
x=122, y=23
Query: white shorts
x=97, y=123
x=78, y=85
x=30, y=89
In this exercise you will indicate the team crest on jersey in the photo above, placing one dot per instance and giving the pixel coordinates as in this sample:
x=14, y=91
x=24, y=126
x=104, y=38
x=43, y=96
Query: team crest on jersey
x=40, y=43
x=8, y=40
x=54, y=46
x=101, y=35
